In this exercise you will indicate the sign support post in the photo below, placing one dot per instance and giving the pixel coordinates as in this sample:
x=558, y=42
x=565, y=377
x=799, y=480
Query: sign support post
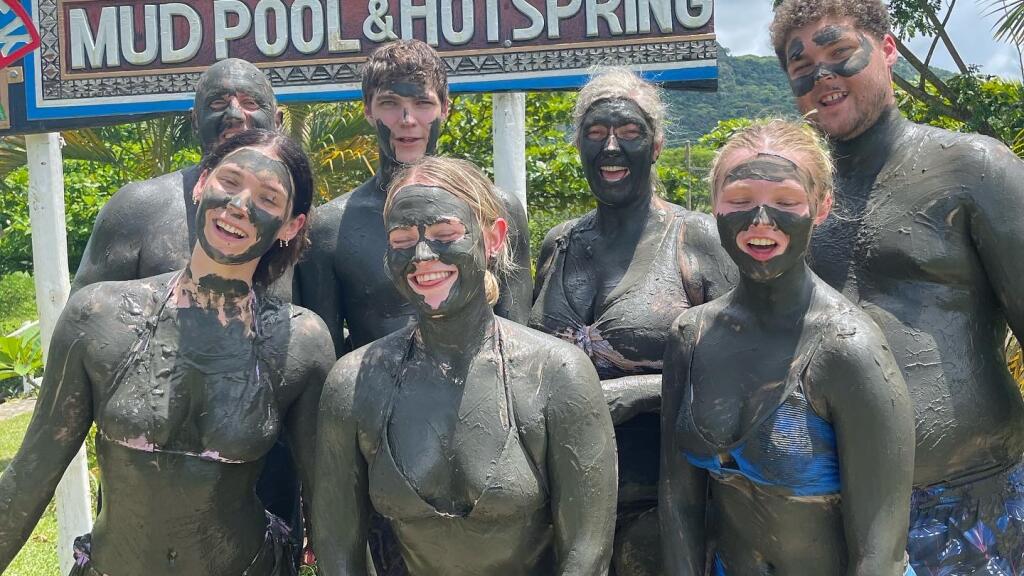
x=510, y=144
x=50, y=267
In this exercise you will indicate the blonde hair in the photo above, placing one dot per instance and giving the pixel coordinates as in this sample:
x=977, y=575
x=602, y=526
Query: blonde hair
x=465, y=181
x=795, y=140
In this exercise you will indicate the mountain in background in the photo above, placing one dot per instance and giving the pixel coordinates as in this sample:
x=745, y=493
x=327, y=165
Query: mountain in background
x=748, y=87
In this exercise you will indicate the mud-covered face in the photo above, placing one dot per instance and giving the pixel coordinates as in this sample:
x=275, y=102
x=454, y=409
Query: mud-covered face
x=436, y=255
x=764, y=217
x=841, y=72
x=233, y=96
x=245, y=202
x=408, y=117
x=617, y=149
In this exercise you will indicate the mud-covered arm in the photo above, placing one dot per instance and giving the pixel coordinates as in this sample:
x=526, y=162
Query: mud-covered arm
x=546, y=256
x=682, y=488
x=871, y=412
x=341, y=501
x=997, y=230
x=515, y=290
x=581, y=466
x=310, y=357
x=319, y=289
x=706, y=269
x=631, y=396
x=60, y=422
x=112, y=252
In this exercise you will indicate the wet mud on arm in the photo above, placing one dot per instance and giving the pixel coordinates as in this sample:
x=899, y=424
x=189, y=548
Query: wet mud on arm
x=59, y=424
x=874, y=422
x=319, y=289
x=582, y=468
x=313, y=357
x=708, y=271
x=515, y=290
x=341, y=505
x=631, y=396
x=997, y=230
x=682, y=488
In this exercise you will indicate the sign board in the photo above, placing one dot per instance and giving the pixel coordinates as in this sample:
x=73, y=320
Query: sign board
x=103, y=58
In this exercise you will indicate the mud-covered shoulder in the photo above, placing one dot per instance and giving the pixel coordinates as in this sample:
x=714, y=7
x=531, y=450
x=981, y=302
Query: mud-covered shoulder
x=553, y=362
x=547, y=248
x=359, y=383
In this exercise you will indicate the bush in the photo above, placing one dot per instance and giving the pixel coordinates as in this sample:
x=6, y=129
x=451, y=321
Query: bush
x=17, y=301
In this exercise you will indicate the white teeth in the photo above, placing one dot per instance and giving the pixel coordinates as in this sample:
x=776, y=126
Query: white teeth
x=833, y=97
x=432, y=276
x=613, y=168
x=761, y=242
x=230, y=229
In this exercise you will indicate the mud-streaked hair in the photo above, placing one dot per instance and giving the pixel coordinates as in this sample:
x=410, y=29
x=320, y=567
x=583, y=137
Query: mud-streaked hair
x=407, y=61
x=870, y=16
x=792, y=139
x=465, y=181
x=621, y=83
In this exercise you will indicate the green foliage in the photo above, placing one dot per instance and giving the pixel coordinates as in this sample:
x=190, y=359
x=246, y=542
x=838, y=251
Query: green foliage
x=17, y=301
x=21, y=360
x=992, y=101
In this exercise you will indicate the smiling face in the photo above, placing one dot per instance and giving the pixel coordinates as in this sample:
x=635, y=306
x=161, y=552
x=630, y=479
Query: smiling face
x=436, y=252
x=618, y=148
x=244, y=205
x=763, y=212
x=231, y=97
x=843, y=73
x=408, y=117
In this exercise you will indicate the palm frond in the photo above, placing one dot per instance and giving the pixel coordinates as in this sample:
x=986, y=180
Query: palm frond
x=1010, y=26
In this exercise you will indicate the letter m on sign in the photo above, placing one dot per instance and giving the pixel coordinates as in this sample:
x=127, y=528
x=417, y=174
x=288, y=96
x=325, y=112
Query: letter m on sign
x=18, y=36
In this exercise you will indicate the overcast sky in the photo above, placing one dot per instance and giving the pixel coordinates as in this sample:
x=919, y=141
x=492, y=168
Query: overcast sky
x=742, y=27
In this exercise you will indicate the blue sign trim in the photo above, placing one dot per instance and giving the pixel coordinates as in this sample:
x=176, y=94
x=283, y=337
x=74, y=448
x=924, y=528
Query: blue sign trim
x=570, y=81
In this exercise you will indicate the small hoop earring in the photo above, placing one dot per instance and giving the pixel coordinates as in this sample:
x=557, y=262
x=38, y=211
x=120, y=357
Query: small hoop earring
x=195, y=201
x=282, y=243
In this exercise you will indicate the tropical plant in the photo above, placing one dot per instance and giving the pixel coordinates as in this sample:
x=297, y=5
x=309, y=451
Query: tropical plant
x=21, y=356
x=1011, y=19
x=341, y=144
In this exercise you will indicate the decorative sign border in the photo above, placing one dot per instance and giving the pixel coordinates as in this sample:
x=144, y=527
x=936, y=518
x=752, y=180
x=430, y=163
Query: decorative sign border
x=53, y=93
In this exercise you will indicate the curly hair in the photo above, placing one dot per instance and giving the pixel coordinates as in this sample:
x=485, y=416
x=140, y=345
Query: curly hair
x=792, y=139
x=870, y=16
x=408, y=61
x=465, y=181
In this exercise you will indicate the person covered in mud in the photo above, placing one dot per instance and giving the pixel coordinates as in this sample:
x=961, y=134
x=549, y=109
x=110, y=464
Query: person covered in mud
x=405, y=94
x=782, y=404
x=927, y=241
x=190, y=377
x=613, y=281
x=486, y=445
x=148, y=228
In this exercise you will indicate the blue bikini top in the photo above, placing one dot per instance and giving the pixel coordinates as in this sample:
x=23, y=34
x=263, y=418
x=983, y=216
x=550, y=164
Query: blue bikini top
x=790, y=447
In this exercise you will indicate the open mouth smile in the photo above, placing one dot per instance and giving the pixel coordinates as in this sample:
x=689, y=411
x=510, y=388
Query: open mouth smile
x=761, y=248
x=430, y=279
x=833, y=98
x=614, y=173
x=231, y=232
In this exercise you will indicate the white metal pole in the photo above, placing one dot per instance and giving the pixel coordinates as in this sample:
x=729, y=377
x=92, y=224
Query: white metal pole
x=510, y=144
x=50, y=266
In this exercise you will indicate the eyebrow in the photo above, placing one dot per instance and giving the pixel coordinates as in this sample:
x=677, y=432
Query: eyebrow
x=829, y=35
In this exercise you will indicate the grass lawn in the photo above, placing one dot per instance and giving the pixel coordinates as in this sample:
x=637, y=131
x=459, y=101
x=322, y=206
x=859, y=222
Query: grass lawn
x=39, y=556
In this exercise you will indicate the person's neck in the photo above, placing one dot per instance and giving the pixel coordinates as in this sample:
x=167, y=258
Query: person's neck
x=209, y=285
x=781, y=301
x=454, y=339
x=625, y=220
x=868, y=152
x=386, y=171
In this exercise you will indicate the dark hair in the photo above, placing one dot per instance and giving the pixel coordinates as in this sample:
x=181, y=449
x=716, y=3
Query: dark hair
x=276, y=260
x=869, y=16
x=407, y=60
